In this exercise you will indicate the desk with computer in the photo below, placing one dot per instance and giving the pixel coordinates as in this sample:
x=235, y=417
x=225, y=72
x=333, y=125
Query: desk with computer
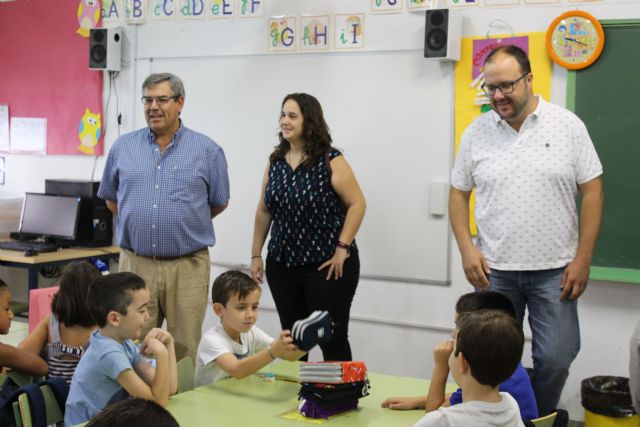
x=66, y=223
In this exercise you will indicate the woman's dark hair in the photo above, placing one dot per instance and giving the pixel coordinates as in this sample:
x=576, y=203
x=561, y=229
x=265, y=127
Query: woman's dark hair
x=315, y=131
x=69, y=304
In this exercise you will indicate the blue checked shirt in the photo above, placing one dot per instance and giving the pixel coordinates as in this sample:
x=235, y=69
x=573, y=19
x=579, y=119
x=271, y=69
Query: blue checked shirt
x=165, y=199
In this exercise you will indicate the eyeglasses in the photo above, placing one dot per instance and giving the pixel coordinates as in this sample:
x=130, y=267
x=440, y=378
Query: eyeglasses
x=160, y=100
x=504, y=87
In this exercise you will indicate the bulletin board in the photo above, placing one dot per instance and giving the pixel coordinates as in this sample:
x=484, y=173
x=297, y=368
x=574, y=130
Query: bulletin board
x=605, y=96
x=44, y=74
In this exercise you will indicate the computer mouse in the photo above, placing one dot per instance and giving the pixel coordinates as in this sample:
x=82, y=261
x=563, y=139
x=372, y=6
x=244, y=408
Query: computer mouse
x=30, y=252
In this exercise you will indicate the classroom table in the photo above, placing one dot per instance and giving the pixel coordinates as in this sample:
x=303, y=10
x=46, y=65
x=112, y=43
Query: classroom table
x=253, y=401
x=48, y=259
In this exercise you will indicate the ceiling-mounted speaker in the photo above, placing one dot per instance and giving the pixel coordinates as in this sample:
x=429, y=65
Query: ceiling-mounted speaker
x=105, y=49
x=442, y=33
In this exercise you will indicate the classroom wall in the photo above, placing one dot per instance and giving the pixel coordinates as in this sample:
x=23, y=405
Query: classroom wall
x=396, y=324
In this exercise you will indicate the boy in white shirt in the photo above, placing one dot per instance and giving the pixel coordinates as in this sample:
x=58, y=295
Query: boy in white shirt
x=236, y=347
x=487, y=348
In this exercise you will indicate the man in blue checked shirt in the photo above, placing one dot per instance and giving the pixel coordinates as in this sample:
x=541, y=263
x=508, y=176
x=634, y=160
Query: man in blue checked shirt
x=165, y=183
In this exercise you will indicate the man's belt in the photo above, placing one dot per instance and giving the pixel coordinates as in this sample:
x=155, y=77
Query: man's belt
x=169, y=258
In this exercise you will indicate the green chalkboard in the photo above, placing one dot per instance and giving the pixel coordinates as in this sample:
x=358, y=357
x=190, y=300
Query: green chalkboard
x=606, y=96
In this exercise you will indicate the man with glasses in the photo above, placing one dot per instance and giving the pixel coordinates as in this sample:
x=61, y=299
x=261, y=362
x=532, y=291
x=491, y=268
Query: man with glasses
x=528, y=160
x=166, y=183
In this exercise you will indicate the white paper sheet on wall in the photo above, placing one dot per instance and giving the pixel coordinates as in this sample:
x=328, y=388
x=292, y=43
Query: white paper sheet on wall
x=28, y=135
x=4, y=127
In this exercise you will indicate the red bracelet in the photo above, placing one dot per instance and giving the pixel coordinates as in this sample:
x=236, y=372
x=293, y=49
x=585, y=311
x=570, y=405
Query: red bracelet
x=343, y=245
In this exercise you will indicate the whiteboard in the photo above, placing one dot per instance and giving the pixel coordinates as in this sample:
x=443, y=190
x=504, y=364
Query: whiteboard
x=385, y=111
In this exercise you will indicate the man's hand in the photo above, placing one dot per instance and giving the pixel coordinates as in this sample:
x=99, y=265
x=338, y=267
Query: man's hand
x=574, y=280
x=475, y=267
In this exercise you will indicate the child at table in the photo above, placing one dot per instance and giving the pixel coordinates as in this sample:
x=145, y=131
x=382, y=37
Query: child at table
x=112, y=367
x=486, y=350
x=236, y=347
x=517, y=385
x=134, y=412
x=62, y=337
x=10, y=356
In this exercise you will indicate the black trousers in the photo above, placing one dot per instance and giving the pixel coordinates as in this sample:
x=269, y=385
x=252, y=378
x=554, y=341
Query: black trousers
x=298, y=291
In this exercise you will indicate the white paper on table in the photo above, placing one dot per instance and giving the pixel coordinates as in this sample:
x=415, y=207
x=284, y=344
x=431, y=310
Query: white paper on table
x=28, y=134
x=4, y=127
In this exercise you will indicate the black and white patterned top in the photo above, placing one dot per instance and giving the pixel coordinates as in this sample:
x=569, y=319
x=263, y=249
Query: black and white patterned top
x=307, y=213
x=61, y=358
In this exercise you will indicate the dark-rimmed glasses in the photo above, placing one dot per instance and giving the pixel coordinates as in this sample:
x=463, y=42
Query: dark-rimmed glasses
x=504, y=87
x=160, y=100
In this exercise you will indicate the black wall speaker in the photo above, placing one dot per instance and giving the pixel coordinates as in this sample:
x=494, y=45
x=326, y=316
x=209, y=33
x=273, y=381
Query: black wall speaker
x=105, y=49
x=442, y=34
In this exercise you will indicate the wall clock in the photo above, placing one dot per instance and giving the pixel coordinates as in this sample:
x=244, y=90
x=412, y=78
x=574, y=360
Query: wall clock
x=575, y=40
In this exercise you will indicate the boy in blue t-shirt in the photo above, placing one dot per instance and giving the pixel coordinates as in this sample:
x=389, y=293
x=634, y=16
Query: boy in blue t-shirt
x=518, y=385
x=112, y=367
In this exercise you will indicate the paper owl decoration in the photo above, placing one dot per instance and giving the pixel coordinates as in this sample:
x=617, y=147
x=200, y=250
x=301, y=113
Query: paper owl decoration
x=89, y=132
x=88, y=16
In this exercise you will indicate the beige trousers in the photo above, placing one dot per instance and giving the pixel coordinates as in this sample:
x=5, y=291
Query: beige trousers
x=179, y=291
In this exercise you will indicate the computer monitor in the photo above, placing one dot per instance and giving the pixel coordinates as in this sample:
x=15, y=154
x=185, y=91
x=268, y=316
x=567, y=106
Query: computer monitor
x=44, y=215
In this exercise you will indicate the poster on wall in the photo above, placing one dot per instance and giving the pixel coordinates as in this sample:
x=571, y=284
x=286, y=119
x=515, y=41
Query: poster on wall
x=68, y=96
x=349, y=31
x=4, y=127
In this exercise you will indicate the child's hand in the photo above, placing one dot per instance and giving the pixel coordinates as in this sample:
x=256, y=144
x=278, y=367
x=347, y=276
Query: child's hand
x=152, y=347
x=441, y=353
x=399, y=403
x=284, y=348
x=161, y=335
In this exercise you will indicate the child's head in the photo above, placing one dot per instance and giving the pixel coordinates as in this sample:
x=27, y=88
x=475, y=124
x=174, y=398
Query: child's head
x=485, y=300
x=119, y=300
x=70, y=302
x=235, y=297
x=5, y=308
x=138, y=412
x=488, y=346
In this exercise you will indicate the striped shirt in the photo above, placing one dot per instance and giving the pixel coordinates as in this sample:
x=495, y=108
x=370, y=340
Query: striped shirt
x=165, y=198
x=307, y=213
x=61, y=358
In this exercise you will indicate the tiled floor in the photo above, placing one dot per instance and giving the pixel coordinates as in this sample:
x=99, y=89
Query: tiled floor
x=19, y=330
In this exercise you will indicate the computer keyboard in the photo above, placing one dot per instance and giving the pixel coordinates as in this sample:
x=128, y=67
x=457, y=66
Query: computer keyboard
x=15, y=245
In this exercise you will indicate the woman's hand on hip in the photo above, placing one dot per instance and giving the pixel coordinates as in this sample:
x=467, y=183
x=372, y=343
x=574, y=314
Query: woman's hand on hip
x=257, y=270
x=336, y=263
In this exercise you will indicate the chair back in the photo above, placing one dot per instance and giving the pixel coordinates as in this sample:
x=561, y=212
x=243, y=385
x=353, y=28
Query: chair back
x=54, y=412
x=546, y=421
x=40, y=304
x=16, y=414
x=25, y=410
x=186, y=374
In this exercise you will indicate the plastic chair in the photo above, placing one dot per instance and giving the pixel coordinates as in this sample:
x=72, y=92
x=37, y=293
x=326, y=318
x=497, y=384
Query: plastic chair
x=16, y=414
x=22, y=409
x=546, y=421
x=186, y=374
x=40, y=305
x=25, y=411
x=20, y=378
x=54, y=412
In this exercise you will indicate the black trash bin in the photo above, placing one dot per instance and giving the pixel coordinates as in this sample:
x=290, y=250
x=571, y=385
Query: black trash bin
x=607, y=401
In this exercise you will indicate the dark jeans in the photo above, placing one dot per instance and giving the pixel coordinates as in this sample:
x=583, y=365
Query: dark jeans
x=298, y=291
x=554, y=326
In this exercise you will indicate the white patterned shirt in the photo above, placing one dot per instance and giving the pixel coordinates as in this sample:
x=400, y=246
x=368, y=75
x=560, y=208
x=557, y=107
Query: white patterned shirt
x=526, y=183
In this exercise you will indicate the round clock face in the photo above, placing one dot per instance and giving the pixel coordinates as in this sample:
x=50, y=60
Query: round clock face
x=575, y=40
